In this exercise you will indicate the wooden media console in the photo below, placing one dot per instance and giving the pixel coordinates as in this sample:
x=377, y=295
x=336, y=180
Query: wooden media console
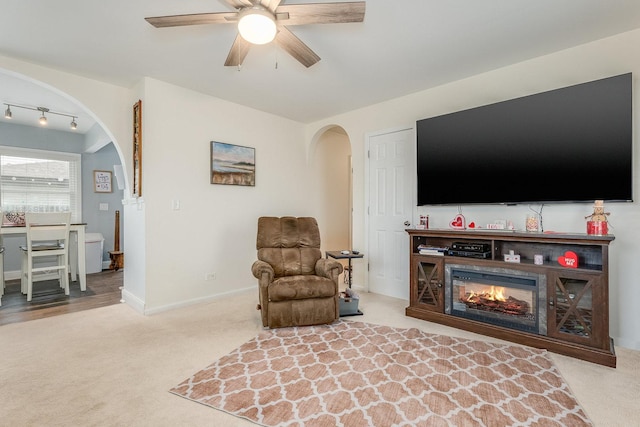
x=553, y=304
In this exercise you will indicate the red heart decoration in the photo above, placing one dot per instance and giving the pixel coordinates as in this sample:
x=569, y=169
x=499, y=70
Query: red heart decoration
x=569, y=259
x=458, y=222
x=472, y=225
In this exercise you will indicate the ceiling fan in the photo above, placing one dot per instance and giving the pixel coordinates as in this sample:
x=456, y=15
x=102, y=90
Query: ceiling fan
x=261, y=21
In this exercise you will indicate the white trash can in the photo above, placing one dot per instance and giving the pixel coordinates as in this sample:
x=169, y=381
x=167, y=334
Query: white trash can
x=93, y=245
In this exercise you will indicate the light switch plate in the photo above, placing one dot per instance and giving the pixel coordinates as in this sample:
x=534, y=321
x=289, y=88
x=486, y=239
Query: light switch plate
x=104, y=206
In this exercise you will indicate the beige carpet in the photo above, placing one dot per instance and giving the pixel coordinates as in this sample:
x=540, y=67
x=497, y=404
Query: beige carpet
x=113, y=367
x=360, y=374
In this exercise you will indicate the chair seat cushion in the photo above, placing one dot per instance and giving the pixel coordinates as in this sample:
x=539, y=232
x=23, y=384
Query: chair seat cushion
x=301, y=287
x=44, y=247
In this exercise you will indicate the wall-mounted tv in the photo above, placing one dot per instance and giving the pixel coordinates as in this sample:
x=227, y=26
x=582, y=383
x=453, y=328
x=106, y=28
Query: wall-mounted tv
x=572, y=144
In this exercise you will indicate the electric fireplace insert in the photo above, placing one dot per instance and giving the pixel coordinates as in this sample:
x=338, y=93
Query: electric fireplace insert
x=499, y=296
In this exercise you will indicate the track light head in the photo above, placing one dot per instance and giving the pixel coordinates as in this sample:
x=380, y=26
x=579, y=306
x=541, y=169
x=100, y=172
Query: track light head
x=7, y=113
x=74, y=125
x=43, y=118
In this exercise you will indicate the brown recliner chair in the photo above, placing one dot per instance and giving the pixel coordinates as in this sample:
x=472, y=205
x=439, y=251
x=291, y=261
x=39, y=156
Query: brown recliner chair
x=297, y=287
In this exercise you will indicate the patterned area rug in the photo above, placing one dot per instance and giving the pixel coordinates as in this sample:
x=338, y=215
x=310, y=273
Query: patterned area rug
x=359, y=374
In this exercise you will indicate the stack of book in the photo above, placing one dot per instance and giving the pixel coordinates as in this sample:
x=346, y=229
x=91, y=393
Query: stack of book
x=432, y=250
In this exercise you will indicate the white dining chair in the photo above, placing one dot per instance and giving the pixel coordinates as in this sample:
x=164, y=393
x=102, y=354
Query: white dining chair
x=47, y=240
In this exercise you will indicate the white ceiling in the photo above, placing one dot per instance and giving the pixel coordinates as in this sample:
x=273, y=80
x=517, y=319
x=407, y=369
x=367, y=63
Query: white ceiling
x=403, y=46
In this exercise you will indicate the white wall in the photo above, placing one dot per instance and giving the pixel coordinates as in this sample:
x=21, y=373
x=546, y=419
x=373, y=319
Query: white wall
x=603, y=58
x=214, y=231
x=330, y=169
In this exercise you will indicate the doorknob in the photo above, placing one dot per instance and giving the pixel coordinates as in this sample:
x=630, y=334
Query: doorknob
x=407, y=223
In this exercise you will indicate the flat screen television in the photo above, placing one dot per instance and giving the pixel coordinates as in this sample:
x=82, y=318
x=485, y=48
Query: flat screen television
x=572, y=144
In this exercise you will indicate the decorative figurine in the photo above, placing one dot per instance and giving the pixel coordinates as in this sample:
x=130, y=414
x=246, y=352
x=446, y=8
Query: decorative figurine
x=597, y=223
x=458, y=222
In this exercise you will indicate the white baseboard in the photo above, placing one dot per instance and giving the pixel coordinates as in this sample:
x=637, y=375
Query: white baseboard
x=197, y=301
x=133, y=301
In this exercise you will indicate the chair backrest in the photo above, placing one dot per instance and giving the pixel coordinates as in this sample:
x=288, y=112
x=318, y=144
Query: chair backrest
x=47, y=227
x=290, y=245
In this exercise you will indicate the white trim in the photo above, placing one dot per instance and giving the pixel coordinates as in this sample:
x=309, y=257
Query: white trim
x=201, y=300
x=38, y=153
x=132, y=301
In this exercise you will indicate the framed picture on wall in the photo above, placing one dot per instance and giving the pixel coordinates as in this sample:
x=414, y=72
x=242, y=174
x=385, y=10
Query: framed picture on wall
x=137, y=149
x=232, y=164
x=102, y=181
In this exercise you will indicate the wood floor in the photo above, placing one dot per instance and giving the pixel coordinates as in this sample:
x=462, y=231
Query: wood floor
x=48, y=299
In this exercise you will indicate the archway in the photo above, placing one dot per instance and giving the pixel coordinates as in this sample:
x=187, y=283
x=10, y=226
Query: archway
x=331, y=161
x=95, y=144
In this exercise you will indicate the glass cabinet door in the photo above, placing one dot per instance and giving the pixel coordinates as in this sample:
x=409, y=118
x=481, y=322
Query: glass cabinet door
x=571, y=313
x=428, y=289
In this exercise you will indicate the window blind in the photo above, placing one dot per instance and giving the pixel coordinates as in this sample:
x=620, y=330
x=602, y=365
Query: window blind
x=40, y=181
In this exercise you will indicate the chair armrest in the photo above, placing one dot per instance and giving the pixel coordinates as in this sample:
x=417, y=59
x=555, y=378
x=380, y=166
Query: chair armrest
x=329, y=268
x=259, y=269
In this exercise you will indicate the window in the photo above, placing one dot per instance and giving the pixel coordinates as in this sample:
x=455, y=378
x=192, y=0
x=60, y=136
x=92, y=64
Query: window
x=40, y=181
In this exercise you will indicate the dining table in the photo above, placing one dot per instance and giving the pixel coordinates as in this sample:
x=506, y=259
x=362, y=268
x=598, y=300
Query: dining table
x=76, y=251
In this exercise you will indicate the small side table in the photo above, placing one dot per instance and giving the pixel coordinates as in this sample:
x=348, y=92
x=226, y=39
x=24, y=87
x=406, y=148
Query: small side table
x=349, y=256
x=346, y=306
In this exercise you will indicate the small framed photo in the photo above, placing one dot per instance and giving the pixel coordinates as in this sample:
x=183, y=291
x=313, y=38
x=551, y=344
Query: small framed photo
x=102, y=181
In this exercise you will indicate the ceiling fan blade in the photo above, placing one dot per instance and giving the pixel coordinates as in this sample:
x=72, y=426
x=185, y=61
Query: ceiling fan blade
x=295, y=47
x=238, y=52
x=322, y=13
x=192, y=19
x=272, y=5
x=238, y=4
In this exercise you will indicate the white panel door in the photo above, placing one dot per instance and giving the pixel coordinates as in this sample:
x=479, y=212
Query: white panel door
x=391, y=189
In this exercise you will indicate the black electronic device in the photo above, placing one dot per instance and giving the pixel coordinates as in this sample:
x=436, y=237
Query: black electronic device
x=469, y=254
x=471, y=246
x=559, y=137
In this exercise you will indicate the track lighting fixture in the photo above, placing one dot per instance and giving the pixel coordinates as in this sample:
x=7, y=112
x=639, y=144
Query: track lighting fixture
x=43, y=118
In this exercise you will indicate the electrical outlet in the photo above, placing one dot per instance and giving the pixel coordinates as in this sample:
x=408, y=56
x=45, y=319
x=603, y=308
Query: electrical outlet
x=210, y=276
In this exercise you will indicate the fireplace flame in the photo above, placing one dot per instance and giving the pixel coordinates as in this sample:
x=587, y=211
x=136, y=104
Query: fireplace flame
x=493, y=299
x=494, y=294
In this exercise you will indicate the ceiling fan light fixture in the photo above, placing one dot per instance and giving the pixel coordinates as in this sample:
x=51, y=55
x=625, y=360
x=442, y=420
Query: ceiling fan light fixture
x=257, y=25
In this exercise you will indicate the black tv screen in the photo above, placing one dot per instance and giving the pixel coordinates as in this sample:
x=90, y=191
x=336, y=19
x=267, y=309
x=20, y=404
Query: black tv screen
x=567, y=145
